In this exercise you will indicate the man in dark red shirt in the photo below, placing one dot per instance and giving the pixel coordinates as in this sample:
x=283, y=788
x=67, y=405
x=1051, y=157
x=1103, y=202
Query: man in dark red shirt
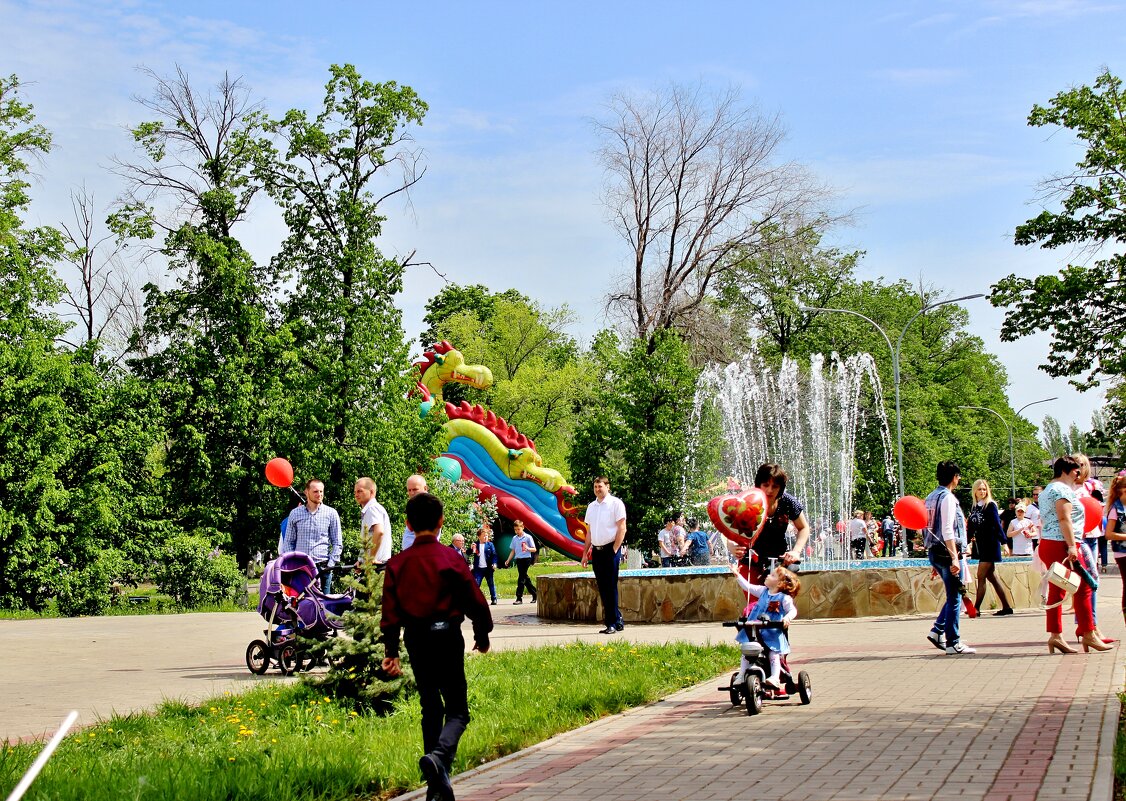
x=427, y=592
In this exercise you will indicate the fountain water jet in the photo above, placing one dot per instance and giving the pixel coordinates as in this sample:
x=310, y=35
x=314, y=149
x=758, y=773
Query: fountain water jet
x=806, y=421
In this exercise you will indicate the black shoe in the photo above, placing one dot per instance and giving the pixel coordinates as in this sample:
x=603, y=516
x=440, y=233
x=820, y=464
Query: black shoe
x=1003, y=612
x=534, y=596
x=620, y=627
x=494, y=601
x=608, y=630
x=437, y=778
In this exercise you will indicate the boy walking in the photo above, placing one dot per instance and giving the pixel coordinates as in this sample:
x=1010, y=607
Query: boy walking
x=427, y=592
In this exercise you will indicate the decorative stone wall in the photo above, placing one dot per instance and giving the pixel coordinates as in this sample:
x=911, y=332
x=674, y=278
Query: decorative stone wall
x=715, y=596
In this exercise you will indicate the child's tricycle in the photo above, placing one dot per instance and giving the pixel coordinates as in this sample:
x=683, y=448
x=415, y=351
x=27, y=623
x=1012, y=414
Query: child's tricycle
x=749, y=682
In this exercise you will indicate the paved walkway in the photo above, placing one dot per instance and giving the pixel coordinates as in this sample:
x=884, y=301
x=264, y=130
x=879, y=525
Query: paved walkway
x=891, y=718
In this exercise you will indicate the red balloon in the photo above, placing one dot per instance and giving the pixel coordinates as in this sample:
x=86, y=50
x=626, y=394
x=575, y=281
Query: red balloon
x=911, y=512
x=1093, y=513
x=279, y=472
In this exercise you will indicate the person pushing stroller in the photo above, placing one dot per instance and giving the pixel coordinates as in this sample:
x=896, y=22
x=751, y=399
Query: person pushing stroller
x=775, y=602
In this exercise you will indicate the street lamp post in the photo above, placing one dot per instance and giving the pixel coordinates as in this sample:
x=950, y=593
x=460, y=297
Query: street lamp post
x=895, y=364
x=1009, y=428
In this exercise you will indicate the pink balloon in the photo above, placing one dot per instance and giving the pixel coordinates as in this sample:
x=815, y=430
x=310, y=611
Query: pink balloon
x=1093, y=513
x=911, y=512
x=279, y=472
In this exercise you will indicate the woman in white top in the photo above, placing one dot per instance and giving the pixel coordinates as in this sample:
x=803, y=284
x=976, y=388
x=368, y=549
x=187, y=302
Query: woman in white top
x=1020, y=529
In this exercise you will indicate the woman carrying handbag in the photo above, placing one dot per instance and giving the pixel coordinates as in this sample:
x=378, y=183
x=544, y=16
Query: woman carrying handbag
x=1116, y=527
x=1061, y=518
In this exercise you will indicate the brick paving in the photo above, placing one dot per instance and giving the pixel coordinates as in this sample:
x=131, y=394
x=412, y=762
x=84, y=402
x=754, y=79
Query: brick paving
x=891, y=718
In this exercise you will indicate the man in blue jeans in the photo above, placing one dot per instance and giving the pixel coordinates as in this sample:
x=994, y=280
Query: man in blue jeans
x=946, y=529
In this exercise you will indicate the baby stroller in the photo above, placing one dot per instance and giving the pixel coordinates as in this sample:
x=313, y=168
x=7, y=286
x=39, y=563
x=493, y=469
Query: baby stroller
x=296, y=612
x=755, y=668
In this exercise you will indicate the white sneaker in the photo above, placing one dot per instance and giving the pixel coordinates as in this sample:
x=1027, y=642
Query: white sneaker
x=959, y=648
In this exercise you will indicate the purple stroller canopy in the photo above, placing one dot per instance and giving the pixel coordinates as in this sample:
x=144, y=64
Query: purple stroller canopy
x=297, y=573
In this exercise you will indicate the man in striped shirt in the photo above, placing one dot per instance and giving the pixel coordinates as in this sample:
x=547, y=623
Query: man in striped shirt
x=314, y=529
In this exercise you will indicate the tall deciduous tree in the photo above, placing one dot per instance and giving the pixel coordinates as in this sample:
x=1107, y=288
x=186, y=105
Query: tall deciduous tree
x=635, y=431
x=763, y=287
x=1083, y=307
x=693, y=181
x=349, y=387
x=214, y=350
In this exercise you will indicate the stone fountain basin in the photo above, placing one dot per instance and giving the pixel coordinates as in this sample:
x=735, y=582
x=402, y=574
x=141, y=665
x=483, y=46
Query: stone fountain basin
x=710, y=594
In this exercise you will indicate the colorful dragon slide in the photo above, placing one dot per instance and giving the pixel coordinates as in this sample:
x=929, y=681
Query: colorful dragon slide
x=499, y=460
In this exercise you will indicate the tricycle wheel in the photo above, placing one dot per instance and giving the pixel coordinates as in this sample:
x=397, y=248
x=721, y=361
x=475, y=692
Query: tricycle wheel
x=754, y=694
x=805, y=687
x=258, y=657
x=733, y=689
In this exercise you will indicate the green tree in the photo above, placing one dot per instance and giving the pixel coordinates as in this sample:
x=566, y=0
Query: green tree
x=347, y=392
x=34, y=430
x=541, y=380
x=941, y=367
x=214, y=351
x=762, y=288
x=635, y=430
x=1083, y=307
x=476, y=299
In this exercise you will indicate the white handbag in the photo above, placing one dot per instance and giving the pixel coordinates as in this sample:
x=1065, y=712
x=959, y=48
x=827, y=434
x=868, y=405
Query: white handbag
x=1064, y=577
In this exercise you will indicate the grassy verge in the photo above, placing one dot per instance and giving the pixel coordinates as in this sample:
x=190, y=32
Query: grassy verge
x=506, y=579
x=147, y=602
x=286, y=742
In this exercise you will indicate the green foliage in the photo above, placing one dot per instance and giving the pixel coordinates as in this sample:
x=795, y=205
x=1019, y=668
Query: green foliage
x=346, y=389
x=356, y=671
x=191, y=570
x=635, y=431
x=462, y=513
x=477, y=299
x=540, y=379
x=1083, y=306
x=91, y=590
x=763, y=287
x=326, y=748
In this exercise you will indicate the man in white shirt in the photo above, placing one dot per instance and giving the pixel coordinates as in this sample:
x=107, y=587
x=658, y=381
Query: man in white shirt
x=606, y=521
x=375, y=524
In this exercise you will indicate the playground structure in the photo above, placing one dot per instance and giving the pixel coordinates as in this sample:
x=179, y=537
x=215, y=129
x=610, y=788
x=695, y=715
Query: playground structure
x=501, y=462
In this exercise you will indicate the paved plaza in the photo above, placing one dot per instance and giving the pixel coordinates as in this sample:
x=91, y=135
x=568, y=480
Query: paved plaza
x=891, y=718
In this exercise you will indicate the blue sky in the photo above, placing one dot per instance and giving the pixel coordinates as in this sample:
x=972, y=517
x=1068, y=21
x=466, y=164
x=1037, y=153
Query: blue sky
x=914, y=111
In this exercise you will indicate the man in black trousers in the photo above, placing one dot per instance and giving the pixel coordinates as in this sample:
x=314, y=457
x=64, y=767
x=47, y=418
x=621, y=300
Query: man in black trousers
x=427, y=592
x=606, y=521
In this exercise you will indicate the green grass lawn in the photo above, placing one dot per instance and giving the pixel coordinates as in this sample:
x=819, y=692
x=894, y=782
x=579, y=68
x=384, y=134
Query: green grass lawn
x=144, y=600
x=286, y=742
x=506, y=579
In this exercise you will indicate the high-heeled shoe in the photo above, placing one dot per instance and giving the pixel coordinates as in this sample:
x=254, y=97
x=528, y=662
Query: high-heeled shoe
x=1104, y=638
x=1092, y=643
x=1057, y=643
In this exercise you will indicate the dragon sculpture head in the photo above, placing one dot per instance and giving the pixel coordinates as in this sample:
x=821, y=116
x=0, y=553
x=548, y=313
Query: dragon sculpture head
x=446, y=364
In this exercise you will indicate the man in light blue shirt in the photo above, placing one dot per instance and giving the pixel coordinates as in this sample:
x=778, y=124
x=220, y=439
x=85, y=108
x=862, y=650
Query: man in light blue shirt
x=415, y=485
x=314, y=529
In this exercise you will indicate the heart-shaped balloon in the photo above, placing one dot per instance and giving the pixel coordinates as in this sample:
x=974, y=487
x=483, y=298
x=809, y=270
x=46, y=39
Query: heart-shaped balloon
x=740, y=516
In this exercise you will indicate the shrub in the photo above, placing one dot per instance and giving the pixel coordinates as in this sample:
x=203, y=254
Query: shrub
x=194, y=573
x=91, y=590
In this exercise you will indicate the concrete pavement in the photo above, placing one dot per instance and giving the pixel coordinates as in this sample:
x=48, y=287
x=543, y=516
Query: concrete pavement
x=891, y=717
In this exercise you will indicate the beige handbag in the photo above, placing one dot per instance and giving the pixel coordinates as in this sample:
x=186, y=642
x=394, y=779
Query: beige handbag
x=1065, y=578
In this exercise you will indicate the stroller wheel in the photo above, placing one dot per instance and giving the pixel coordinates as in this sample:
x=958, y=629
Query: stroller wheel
x=805, y=687
x=258, y=657
x=287, y=660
